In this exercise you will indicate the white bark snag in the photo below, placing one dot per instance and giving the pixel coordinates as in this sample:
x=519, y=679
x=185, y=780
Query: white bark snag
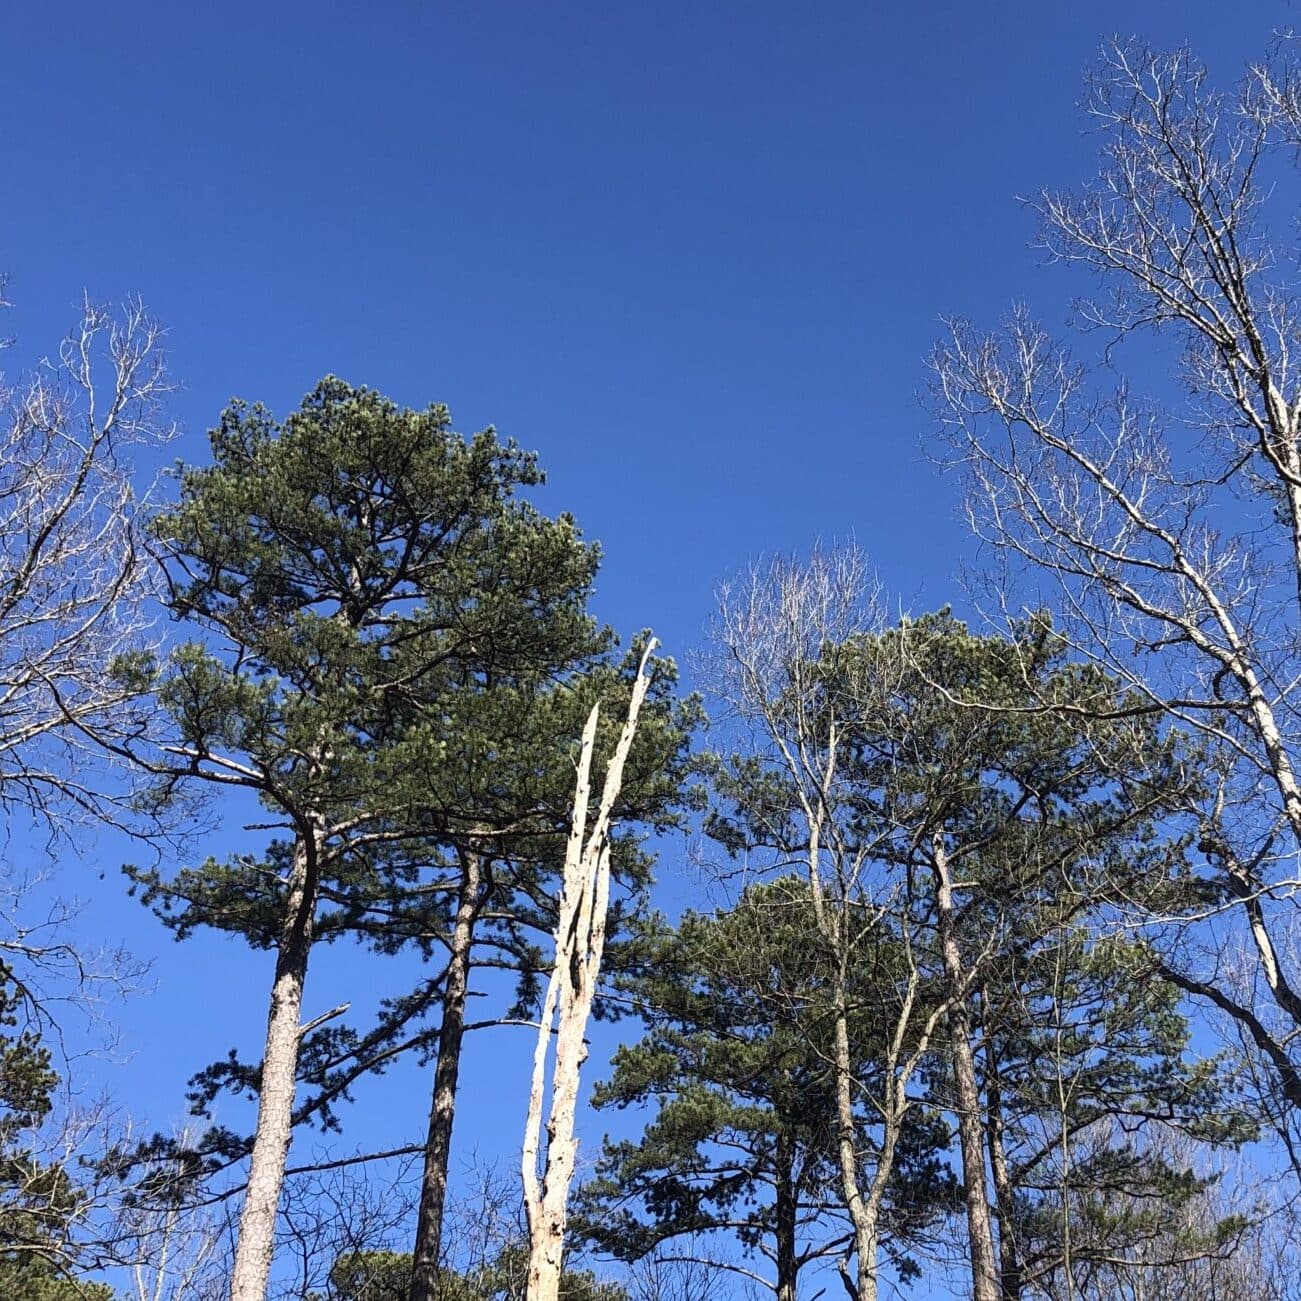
x=257, y=1225
x=580, y=940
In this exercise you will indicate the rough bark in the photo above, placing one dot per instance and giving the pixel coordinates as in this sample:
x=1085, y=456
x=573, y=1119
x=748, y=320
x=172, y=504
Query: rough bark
x=786, y=1218
x=257, y=1227
x=427, y=1254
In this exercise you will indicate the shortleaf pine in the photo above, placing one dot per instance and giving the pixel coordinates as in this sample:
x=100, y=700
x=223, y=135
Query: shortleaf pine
x=355, y=576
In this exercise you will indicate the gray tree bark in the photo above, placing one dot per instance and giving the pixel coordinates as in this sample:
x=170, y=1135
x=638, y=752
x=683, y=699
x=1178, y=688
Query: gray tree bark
x=257, y=1226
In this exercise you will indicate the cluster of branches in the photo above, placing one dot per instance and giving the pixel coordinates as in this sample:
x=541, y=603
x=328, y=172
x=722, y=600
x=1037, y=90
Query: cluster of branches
x=1169, y=525
x=389, y=650
x=392, y=652
x=73, y=583
x=920, y=1005
x=874, y=761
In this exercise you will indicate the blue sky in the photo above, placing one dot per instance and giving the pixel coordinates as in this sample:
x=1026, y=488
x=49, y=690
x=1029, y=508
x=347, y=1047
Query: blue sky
x=694, y=254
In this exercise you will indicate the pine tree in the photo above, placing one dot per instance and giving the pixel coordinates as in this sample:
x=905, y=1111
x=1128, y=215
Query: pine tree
x=502, y=822
x=361, y=579
x=1032, y=803
x=1086, y=1077
x=742, y=1138
x=978, y=797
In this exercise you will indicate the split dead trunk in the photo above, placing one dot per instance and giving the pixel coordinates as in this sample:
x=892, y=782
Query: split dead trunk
x=427, y=1253
x=257, y=1226
x=567, y=1004
x=984, y=1278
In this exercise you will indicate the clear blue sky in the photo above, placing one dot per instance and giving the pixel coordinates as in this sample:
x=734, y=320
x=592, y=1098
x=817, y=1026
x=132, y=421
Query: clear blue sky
x=692, y=253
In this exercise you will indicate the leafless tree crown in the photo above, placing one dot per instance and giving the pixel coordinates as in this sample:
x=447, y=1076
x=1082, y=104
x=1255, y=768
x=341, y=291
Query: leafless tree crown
x=73, y=579
x=1169, y=525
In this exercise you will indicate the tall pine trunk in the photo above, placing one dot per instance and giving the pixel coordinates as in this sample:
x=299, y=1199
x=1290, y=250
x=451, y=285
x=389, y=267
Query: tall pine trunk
x=786, y=1216
x=1008, y=1257
x=863, y=1211
x=257, y=1226
x=984, y=1279
x=1009, y=1260
x=427, y=1254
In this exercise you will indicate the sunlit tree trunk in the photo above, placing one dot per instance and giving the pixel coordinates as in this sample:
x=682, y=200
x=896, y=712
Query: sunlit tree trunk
x=567, y=1004
x=255, y=1247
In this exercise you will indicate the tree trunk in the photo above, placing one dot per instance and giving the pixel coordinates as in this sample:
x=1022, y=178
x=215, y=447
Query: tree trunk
x=580, y=939
x=427, y=1254
x=546, y=1262
x=1009, y=1259
x=984, y=1279
x=862, y=1211
x=567, y=1003
x=860, y=1284
x=786, y=1215
x=266, y=1174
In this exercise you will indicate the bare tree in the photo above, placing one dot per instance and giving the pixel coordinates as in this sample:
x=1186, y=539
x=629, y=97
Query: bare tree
x=486, y=1220
x=56, y=979
x=75, y=591
x=343, y=1213
x=567, y=1003
x=772, y=630
x=172, y=1244
x=686, y=1273
x=60, y=1200
x=942, y=845
x=1171, y=528
x=70, y=1210
x=74, y=583
x=1226, y=1242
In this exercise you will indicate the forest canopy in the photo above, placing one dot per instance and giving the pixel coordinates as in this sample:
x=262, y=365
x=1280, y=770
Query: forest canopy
x=935, y=947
